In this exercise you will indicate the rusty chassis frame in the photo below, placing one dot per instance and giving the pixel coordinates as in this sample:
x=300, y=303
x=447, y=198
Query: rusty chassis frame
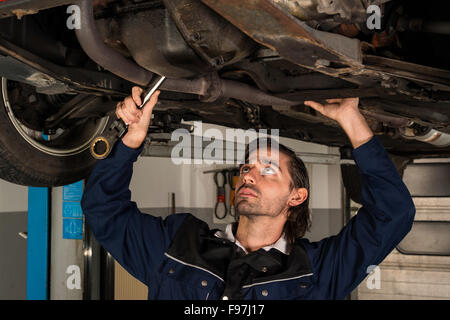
x=332, y=54
x=383, y=84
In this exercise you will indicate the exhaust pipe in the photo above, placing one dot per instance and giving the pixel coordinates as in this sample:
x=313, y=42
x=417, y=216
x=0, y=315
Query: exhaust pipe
x=94, y=46
x=209, y=88
x=428, y=135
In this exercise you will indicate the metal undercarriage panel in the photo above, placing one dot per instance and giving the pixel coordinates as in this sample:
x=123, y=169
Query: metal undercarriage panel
x=271, y=46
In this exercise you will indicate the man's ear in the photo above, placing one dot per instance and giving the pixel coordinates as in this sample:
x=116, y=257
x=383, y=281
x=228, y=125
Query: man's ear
x=297, y=197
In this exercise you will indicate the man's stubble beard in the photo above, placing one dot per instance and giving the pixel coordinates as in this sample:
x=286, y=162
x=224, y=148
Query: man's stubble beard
x=244, y=208
x=253, y=210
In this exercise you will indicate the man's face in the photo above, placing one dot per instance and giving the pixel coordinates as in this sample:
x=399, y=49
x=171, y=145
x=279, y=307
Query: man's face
x=263, y=187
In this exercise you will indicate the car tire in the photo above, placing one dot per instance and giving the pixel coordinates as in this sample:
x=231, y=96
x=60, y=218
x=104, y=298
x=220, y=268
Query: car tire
x=22, y=163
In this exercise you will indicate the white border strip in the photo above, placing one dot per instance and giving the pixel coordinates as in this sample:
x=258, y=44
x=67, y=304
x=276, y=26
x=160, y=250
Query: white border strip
x=194, y=266
x=244, y=287
x=265, y=282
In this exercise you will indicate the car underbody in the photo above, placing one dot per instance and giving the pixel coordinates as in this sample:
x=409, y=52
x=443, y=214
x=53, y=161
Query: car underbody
x=241, y=64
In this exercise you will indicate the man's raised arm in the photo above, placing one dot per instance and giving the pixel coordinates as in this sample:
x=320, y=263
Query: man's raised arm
x=341, y=262
x=136, y=240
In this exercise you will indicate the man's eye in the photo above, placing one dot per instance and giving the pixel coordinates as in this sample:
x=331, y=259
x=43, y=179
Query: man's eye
x=267, y=170
x=245, y=169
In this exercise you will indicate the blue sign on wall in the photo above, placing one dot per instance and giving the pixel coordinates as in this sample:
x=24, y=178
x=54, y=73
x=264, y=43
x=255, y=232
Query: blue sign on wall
x=72, y=212
x=73, y=192
x=72, y=228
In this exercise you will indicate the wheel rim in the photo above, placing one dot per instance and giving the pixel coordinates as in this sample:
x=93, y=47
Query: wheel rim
x=32, y=136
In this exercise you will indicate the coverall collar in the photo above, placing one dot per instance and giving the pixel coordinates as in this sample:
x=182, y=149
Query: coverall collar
x=230, y=231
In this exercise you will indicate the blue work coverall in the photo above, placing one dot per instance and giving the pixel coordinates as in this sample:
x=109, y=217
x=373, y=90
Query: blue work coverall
x=179, y=257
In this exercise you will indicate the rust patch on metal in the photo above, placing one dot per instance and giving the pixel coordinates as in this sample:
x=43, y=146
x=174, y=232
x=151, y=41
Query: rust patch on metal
x=19, y=13
x=258, y=18
x=268, y=24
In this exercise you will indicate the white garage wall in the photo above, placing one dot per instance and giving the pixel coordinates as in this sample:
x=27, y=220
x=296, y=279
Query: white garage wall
x=325, y=182
x=154, y=178
x=13, y=197
x=13, y=248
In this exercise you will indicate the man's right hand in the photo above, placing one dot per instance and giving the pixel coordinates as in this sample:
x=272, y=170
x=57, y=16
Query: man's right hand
x=138, y=120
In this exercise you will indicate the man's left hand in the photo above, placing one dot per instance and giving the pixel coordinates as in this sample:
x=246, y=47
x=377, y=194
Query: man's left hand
x=347, y=114
x=336, y=109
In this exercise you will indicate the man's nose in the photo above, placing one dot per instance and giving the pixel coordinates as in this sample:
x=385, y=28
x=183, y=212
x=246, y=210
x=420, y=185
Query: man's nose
x=249, y=177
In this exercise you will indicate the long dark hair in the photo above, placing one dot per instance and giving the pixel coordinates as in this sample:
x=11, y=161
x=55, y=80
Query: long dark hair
x=299, y=218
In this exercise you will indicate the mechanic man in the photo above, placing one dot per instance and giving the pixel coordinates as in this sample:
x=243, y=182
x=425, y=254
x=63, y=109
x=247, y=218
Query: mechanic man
x=264, y=254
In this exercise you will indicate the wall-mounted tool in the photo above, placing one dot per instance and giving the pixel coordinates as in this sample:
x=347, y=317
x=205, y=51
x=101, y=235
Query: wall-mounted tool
x=220, y=194
x=233, y=177
x=102, y=145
